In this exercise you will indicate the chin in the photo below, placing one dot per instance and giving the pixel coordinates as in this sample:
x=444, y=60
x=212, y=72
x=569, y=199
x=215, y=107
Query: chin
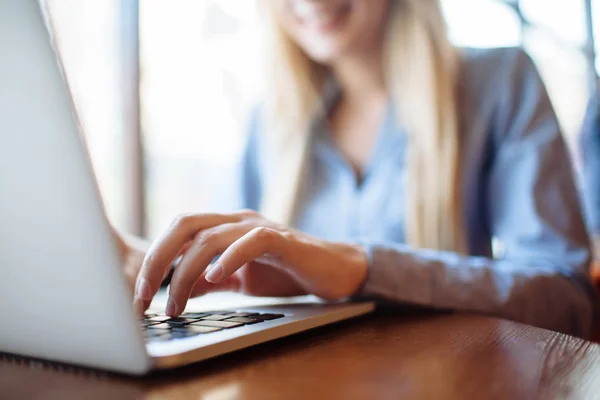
x=328, y=30
x=325, y=57
x=326, y=51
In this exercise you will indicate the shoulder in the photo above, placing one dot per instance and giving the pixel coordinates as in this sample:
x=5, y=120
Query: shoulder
x=503, y=87
x=494, y=71
x=494, y=57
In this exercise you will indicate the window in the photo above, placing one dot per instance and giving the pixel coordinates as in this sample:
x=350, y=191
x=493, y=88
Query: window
x=87, y=35
x=552, y=31
x=482, y=23
x=199, y=68
x=199, y=79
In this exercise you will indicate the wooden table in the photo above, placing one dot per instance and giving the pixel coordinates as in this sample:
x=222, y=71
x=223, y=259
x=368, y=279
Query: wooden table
x=386, y=355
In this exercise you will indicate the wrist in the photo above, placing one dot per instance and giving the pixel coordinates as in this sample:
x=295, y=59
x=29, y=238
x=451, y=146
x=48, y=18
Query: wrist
x=358, y=265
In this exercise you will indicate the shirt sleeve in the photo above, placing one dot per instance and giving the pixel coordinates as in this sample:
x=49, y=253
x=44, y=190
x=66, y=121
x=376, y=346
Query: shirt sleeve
x=542, y=277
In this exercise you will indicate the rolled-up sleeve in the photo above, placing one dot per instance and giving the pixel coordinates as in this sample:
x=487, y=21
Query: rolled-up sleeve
x=542, y=275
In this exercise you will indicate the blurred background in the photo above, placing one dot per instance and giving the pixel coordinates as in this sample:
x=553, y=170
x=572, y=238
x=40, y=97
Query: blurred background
x=164, y=88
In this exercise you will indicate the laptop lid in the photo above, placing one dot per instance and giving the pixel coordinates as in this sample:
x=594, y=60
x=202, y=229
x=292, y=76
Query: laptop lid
x=63, y=296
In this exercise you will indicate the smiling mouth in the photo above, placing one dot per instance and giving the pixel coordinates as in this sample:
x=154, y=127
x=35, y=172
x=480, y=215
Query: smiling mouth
x=323, y=16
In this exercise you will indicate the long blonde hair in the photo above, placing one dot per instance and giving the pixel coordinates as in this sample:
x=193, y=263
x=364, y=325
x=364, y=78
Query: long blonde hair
x=421, y=73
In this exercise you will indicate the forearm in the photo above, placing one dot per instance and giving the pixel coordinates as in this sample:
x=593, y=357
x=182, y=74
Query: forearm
x=545, y=295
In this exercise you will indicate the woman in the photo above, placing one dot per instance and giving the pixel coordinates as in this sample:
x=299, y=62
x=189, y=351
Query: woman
x=396, y=158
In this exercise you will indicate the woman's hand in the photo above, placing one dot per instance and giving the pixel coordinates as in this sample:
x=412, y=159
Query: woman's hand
x=133, y=251
x=257, y=257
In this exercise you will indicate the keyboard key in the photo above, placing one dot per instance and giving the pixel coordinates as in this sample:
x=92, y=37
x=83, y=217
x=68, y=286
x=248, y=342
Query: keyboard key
x=163, y=326
x=195, y=315
x=181, y=334
x=150, y=315
x=157, y=319
x=154, y=332
x=197, y=329
x=148, y=323
x=244, y=320
x=215, y=317
x=268, y=317
x=181, y=321
x=219, y=312
x=190, y=331
x=217, y=324
x=242, y=314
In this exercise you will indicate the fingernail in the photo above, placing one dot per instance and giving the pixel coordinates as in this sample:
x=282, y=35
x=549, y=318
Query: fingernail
x=171, y=307
x=214, y=273
x=143, y=290
x=139, y=305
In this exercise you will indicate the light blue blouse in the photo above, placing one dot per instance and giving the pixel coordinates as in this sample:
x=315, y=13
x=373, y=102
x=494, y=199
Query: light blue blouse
x=590, y=150
x=519, y=190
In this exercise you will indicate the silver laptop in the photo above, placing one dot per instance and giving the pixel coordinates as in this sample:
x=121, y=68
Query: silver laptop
x=63, y=296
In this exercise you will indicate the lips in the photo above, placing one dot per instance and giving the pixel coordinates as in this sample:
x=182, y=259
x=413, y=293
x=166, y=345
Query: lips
x=324, y=14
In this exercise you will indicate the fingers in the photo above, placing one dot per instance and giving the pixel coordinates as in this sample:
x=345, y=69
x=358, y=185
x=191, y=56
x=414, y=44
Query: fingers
x=202, y=286
x=248, y=248
x=206, y=246
x=141, y=306
x=166, y=249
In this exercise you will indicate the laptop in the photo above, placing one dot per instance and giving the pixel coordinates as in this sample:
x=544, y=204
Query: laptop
x=63, y=296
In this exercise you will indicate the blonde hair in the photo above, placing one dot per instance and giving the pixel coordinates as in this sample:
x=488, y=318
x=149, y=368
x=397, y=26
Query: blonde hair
x=421, y=74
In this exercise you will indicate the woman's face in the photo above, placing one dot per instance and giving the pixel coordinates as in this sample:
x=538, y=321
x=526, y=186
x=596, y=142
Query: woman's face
x=328, y=30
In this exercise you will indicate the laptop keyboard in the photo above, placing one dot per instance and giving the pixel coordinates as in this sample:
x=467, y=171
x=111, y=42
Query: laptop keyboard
x=159, y=327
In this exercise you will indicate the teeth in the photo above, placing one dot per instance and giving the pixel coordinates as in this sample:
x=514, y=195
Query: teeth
x=320, y=15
